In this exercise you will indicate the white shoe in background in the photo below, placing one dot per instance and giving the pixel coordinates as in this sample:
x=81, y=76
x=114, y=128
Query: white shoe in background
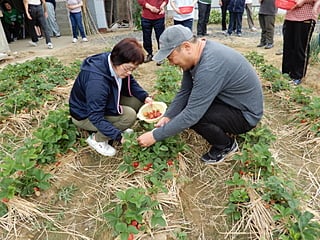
x=34, y=44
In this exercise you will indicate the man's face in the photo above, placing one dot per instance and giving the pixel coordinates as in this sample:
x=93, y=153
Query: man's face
x=181, y=57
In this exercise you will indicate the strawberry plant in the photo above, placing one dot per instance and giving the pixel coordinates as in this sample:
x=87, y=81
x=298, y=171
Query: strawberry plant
x=127, y=217
x=136, y=157
x=298, y=225
x=32, y=180
x=301, y=95
x=28, y=85
x=255, y=58
x=56, y=135
x=167, y=83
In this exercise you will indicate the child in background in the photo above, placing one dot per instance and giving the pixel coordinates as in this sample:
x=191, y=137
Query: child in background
x=75, y=15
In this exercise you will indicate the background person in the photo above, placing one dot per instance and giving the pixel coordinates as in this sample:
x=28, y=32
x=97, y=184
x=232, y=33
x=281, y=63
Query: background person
x=267, y=18
x=204, y=9
x=249, y=12
x=180, y=18
x=298, y=28
x=152, y=18
x=36, y=11
x=236, y=9
x=12, y=22
x=105, y=97
x=220, y=93
x=75, y=15
x=52, y=21
x=223, y=5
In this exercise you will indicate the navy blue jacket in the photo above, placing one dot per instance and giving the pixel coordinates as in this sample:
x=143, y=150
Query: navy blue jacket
x=96, y=94
x=236, y=6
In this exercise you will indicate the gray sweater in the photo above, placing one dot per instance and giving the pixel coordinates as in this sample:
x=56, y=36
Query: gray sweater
x=220, y=73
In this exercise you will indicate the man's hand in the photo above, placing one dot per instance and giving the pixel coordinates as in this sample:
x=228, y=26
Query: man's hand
x=146, y=139
x=163, y=121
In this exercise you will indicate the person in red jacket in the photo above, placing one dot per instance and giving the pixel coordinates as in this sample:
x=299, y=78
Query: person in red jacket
x=152, y=17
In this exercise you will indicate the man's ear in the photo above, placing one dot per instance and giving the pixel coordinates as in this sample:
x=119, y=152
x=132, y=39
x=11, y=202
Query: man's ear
x=186, y=46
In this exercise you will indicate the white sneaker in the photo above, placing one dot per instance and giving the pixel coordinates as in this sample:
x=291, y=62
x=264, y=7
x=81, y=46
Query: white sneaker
x=101, y=147
x=84, y=39
x=34, y=44
x=128, y=130
x=253, y=29
x=50, y=46
x=74, y=40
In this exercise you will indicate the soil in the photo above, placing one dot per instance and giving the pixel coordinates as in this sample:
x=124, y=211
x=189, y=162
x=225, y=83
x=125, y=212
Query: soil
x=198, y=197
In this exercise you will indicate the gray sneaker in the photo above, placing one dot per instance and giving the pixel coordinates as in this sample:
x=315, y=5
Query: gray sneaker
x=215, y=156
x=33, y=44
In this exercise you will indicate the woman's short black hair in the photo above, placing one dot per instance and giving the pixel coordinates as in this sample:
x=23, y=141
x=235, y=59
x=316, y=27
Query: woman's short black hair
x=126, y=51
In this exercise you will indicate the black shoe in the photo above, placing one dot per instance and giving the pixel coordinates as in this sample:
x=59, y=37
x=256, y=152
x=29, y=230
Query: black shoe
x=215, y=156
x=261, y=45
x=268, y=46
x=148, y=58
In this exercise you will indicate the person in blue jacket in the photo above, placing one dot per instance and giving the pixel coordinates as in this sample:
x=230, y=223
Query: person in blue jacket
x=236, y=9
x=105, y=96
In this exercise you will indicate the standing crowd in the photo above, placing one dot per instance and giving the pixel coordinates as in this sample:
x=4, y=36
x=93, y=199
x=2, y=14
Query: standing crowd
x=38, y=20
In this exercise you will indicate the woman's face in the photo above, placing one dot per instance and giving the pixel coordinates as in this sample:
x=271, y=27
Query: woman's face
x=125, y=69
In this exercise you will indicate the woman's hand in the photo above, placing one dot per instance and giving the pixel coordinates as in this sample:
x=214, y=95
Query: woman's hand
x=148, y=100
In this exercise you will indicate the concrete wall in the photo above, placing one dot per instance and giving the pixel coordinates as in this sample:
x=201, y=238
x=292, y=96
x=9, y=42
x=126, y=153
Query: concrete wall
x=63, y=18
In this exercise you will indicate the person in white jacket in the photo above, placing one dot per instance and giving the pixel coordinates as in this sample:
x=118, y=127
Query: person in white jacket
x=179, y=17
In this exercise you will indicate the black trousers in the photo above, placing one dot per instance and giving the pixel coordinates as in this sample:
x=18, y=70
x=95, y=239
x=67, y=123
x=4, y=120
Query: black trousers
x=224, y=14
x=203, y=14
x=219, y=122
x=296, y=47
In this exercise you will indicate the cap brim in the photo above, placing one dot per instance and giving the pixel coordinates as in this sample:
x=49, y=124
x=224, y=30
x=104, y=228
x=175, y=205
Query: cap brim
x=162, y=54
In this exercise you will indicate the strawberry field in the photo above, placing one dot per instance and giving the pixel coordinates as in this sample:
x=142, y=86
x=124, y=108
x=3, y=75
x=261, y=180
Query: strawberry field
x=53, y=186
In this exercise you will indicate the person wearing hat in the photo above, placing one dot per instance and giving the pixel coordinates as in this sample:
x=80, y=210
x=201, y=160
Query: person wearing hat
x=220, y=94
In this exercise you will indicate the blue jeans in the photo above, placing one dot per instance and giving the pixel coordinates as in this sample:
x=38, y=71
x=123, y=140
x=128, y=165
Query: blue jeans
x=204, y=14
x=76, y=23
x=186, y=23
x=147, y=25
x=235, y=18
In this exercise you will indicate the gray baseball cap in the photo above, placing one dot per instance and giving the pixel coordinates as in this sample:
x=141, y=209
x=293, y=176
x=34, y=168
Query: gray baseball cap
x=171, y=38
